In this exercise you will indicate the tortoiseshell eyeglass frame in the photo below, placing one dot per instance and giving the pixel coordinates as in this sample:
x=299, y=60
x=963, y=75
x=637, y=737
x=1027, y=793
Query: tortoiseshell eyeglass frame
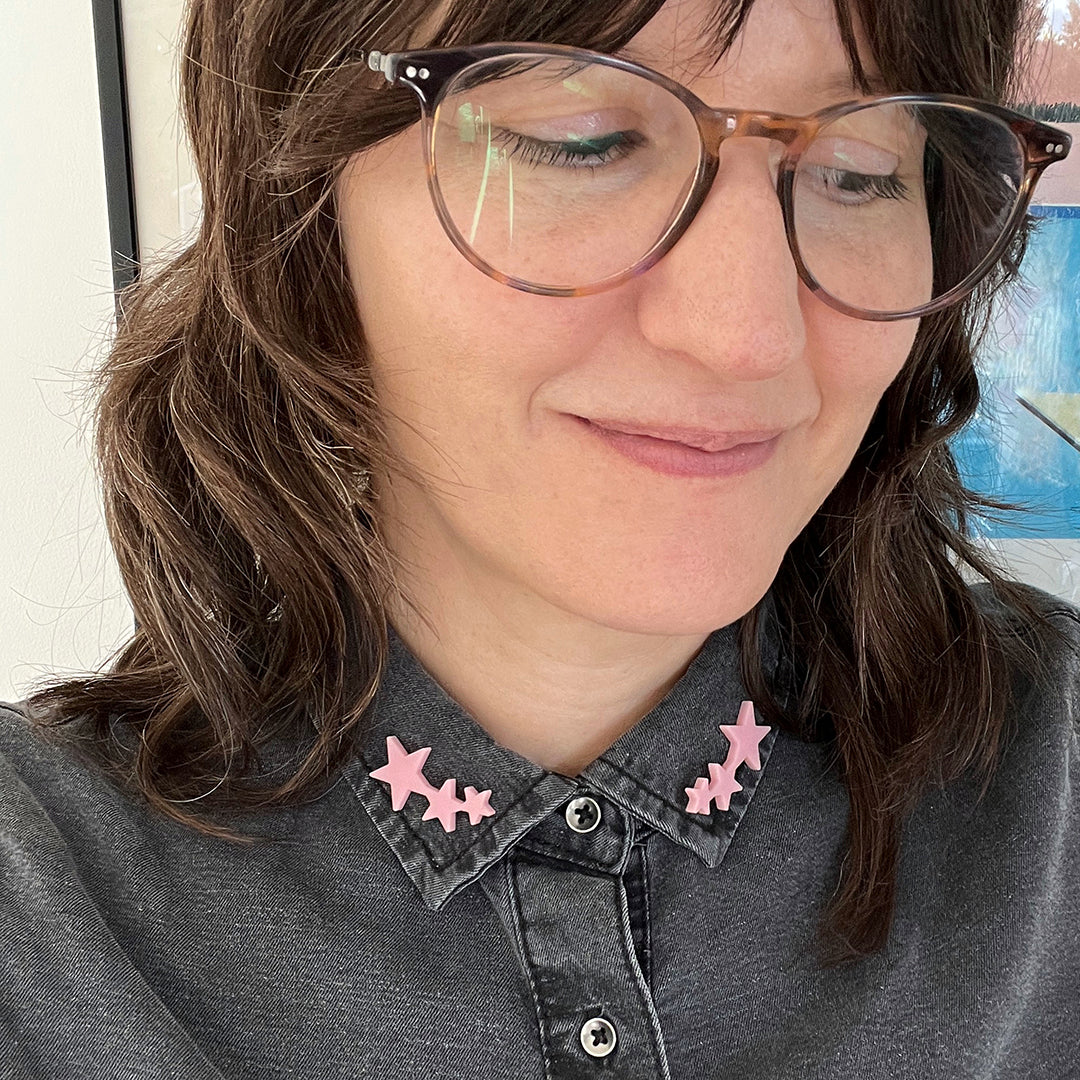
x=429, y=72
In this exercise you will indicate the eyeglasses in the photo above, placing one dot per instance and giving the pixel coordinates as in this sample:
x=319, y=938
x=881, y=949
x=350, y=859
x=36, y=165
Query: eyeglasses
x=566, y=172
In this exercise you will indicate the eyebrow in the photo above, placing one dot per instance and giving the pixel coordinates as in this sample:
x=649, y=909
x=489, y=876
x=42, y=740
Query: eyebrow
x=845, y=84
x=840, y=84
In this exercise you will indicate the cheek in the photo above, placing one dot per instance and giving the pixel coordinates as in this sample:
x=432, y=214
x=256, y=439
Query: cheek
x=865, y=357
x=856, y=362
x=456, y=357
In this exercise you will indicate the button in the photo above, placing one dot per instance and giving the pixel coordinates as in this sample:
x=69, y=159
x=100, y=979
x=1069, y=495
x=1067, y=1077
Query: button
x=598, y=1037
x=583, y=814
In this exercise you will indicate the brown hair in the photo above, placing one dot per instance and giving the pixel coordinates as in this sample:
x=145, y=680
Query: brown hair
x=237, y=426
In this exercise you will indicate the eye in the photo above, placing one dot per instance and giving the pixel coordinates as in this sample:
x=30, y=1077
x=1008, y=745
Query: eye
x=853, y=188
x=852, y=172
x=588, y=151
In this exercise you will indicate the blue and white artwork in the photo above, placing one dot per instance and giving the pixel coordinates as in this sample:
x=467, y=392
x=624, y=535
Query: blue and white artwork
x=1024, y=445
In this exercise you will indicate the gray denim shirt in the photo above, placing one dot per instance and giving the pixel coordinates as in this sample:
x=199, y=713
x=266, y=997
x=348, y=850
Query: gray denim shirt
x=581, y=927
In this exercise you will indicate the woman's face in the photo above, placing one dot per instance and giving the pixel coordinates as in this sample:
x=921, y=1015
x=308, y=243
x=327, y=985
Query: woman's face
x=524, y=504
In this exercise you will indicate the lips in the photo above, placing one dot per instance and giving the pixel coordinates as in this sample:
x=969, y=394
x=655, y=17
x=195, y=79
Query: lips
x=697, y=438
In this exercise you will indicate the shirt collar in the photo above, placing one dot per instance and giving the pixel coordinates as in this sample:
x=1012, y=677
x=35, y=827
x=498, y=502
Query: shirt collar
x=645, y=772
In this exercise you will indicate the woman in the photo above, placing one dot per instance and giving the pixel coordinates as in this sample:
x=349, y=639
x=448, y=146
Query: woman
x=533, y=489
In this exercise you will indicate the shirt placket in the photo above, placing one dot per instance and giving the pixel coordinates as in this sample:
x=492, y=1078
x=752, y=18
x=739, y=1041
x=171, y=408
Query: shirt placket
x=563, y=899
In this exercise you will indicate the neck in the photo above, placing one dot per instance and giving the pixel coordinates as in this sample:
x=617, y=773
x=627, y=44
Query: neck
x=554, y=687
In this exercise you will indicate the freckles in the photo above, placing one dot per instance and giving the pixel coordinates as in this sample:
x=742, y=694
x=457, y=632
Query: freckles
x=890, y=343
x=857, y=361
x=863, y=358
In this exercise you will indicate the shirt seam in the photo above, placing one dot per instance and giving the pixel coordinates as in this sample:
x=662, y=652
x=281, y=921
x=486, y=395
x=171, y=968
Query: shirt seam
x=656, y=1034
x=641, y=785
x=510, y=872
x=647, y=973
x=550, y=851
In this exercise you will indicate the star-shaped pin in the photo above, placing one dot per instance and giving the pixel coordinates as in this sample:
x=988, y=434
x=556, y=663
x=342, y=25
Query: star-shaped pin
x=477, y=804
x=744, y=738
x=722, y=785
x=698, y=797
x=402, y=772
x=444, y=805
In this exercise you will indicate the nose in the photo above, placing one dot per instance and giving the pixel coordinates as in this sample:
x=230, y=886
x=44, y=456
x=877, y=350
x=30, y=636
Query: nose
x=727, y=294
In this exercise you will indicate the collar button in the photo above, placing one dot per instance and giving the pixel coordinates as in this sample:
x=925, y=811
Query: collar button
x=598, y=1037
x=583, y=814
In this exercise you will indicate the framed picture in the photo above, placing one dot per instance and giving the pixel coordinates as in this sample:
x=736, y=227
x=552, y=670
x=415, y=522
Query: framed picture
x=1024, y=446
x=153, y=192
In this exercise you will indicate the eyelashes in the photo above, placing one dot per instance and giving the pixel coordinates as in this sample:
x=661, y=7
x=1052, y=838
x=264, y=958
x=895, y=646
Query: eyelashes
x=574, y=153
x=854, y=188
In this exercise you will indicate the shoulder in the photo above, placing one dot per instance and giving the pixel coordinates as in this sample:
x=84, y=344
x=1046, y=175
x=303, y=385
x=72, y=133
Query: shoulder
x=53, y=813
x=71, y=836
x=44, y=766
x=1047, y=663
x=1039, y=748
x=1022, y=800
x=77, y=896
x=990, y=864
x=1055, y=607
x=57, y=811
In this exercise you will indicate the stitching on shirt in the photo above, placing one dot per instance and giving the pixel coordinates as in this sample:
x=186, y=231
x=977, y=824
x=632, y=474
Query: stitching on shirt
x=647, y=942
x=562, y=855
x=509, y=872
x=542, y=855
x=629, y=955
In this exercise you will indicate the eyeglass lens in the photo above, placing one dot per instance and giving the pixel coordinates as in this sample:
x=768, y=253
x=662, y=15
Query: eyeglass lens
x=563, y=175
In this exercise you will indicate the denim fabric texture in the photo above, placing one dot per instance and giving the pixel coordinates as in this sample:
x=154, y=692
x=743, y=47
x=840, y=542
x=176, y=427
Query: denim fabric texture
x=364, y=942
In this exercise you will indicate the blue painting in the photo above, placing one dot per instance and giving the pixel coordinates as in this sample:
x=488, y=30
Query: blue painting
x=1024, y=445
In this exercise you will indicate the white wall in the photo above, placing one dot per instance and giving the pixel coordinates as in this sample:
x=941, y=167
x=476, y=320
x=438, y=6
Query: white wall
x=61, y=602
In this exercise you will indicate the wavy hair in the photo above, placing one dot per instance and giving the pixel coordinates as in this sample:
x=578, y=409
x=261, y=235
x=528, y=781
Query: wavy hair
x=237, y=429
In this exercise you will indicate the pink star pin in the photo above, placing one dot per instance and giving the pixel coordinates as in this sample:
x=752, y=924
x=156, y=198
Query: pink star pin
x=403, y=772
x=444, y=805
x=698, y=797
x=477, y=805
x=744, y=737
x=722, y=785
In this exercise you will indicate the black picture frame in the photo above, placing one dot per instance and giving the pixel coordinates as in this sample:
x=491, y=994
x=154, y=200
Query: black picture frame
x=116, y=142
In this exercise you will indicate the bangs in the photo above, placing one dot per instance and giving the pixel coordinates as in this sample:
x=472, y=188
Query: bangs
x=605, y=26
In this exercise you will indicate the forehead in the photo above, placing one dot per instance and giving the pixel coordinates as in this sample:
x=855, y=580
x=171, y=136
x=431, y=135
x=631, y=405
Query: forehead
x=789, y=50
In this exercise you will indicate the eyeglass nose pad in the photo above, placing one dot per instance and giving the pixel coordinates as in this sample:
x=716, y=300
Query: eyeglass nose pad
x=776, y=155
x=763, y=150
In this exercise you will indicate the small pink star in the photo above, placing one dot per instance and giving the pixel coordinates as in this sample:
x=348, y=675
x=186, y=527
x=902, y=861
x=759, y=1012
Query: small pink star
x=444, y=805
x=743, y=739
x=478, y=804
x=402, y=772
x=722, y=785
x=698, y=797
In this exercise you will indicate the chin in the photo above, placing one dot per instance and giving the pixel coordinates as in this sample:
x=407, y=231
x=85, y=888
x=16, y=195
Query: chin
x=681, y=614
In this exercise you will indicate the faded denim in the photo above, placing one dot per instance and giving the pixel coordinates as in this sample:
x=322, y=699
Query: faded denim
x=368, y=943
